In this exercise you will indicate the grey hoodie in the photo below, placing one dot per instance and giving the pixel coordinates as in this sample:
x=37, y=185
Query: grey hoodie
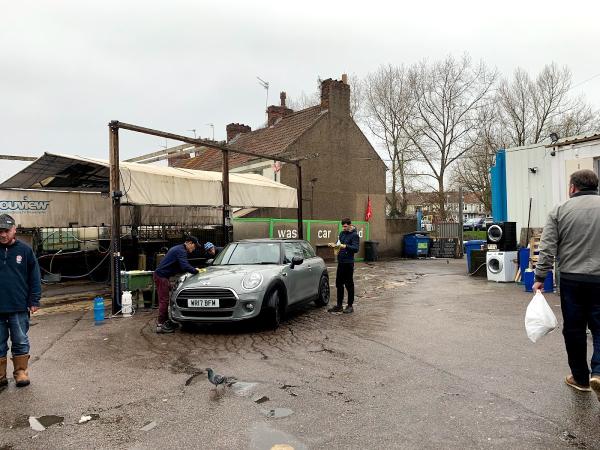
x=572, y=234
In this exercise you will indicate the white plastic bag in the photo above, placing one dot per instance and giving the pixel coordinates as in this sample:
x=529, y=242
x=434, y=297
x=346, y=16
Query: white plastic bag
x=539, y=318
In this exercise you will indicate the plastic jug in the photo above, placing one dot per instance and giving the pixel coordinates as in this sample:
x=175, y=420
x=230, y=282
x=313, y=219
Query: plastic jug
x=99, y=310
x=126, y=304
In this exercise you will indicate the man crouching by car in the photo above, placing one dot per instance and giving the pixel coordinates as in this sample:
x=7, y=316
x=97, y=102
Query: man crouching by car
x=174, y=262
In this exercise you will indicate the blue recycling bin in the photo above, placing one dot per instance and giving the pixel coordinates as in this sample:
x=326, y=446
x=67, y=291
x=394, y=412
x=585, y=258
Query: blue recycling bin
x=416, y=245
x=475, y=244
x=529, y=278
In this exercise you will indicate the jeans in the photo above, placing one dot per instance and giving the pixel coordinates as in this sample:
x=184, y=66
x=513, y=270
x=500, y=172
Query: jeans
x=14, y=325
x=162, y=289
x=580, y=304
x=345, y=277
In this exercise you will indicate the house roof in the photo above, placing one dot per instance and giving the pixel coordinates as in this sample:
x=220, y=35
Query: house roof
x=269, y=141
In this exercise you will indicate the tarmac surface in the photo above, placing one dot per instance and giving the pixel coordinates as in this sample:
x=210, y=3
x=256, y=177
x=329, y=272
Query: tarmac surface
x=431, y=358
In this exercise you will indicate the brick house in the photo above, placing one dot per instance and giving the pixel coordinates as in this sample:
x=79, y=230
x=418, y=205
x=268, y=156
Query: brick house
x=336, y=183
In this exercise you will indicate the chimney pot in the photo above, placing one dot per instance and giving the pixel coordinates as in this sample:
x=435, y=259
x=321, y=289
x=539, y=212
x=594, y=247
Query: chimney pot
x=344, y=78
x=282, y=97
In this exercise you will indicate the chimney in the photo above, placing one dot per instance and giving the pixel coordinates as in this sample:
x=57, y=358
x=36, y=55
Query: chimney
x=335, y=96
x=274, y=113
x=233, y=129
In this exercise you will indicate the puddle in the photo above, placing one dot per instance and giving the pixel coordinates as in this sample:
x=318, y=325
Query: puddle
x=243, y=389
x=264, y=437
x=48, y=421
x=43, y=422
x=277, y=413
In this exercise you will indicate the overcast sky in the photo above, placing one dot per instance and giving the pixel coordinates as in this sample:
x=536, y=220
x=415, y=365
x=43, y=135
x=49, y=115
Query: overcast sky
x=68, y=67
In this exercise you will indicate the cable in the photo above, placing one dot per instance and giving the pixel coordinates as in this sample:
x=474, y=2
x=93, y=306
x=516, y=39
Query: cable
x=476, y=270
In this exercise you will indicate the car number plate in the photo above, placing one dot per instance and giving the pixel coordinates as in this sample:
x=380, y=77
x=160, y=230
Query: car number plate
x=203, y=302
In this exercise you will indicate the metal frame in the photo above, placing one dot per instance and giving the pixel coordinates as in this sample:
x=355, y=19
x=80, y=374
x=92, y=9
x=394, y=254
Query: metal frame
x=116, y=194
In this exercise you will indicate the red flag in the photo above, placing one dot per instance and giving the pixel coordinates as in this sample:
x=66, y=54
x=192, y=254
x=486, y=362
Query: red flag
x=369, y=211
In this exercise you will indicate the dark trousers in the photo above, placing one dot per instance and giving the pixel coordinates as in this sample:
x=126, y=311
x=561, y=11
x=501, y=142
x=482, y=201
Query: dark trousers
x=345, y=278
x=580, y=304
x=162, y=289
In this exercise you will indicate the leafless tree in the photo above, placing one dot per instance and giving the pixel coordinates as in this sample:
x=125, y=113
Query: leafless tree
x=450, y=95
x=472, y=170
x=388, y=106
x=532, y=109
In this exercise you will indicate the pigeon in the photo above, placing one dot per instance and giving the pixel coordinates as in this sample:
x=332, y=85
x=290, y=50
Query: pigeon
x=215, y=378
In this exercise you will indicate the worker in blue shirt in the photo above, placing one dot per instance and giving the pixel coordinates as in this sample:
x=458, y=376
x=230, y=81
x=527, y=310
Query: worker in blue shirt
x=21, y=292
x=174, y=262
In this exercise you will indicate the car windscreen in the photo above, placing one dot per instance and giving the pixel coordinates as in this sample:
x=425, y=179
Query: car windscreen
x=249, y=253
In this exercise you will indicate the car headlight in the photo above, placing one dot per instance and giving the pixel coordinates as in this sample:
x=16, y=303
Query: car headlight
x=252, y=280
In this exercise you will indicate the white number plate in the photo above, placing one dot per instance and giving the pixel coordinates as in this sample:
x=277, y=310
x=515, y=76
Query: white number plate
x=203, y=302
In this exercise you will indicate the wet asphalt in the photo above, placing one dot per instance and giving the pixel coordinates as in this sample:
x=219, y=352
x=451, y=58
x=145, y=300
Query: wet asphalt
x=431, y=358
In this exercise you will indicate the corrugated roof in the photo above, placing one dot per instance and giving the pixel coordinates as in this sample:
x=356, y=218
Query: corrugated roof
x=590, y=136
x=270, y=141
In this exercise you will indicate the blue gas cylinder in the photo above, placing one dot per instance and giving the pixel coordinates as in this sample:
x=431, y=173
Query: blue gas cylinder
x=99, y=310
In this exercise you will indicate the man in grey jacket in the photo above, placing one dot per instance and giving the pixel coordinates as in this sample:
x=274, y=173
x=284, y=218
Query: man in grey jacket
x=572, y=235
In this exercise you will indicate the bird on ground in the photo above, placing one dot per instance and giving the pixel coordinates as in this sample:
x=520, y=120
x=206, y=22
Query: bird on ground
x=215, y=378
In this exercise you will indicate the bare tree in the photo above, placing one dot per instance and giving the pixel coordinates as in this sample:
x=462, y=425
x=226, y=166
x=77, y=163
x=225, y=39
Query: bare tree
x=532, y=109
x=472, y=171
x=450, y=95
x=388, y=105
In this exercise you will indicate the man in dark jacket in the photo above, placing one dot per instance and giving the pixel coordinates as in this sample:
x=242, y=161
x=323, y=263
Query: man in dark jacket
x=21, y=292
x=572, y=233
x=346, y=247
x=174, y=262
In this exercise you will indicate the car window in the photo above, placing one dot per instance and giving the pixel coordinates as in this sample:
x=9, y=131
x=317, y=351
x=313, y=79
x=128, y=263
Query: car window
x=250, y=253
x=291, y=249
x=307, y=250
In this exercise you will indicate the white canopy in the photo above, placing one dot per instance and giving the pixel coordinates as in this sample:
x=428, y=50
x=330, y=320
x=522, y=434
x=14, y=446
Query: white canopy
x=144, y=184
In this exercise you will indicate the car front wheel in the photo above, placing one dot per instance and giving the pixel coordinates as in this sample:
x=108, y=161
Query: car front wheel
x=273, y=311
x=324, y=293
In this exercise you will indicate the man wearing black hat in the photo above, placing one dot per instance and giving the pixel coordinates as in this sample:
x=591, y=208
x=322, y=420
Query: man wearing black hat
x=174, y=262
x=21, y=292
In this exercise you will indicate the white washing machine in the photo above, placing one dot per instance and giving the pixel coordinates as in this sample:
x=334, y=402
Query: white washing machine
x=501, y=266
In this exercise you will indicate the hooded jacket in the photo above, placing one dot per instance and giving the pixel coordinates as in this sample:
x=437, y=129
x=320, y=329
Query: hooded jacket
x=20, y=275
x=572, y=234
x=351, y=240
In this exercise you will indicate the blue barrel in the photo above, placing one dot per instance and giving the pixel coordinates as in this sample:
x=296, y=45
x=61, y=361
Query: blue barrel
x=99, y=310
x=416, y=245
x=529, y=278
x=475, y=244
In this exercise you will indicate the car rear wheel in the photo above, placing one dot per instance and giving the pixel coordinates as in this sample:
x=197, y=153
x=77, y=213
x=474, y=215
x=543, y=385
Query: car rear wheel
x=274, y=310
x=324, y=292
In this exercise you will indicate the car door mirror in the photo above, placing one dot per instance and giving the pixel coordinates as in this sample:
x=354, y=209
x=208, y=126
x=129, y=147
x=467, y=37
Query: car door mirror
x=296, y=261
